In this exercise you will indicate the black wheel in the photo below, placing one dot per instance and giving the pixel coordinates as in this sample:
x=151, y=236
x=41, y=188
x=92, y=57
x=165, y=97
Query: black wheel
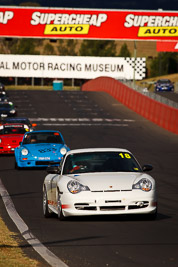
x=59, y=208
x=46, y=211
x=152, y=216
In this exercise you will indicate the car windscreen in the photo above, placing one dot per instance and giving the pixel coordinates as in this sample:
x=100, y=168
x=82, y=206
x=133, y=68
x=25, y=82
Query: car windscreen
x=13, y=129
x=100, y=162
x=2, y=94
x=43, y=137
x=6, y=105
x=16, y=120
x=164, y=81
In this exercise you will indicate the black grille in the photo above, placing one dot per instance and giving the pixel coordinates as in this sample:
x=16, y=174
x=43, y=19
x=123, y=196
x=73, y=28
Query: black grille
x=110, y=208
x=42, y=162
x=46, y=162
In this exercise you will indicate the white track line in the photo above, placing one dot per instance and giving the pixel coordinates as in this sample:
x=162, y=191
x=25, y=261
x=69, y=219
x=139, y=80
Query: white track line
x=46, y=254
x=81, y=120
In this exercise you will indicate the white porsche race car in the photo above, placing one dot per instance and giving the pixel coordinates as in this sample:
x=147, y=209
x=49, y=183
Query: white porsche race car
x=99, y=181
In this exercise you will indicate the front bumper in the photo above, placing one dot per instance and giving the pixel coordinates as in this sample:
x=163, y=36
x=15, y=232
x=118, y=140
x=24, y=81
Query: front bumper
x=37, y=163
x=7, y=149
x=107, y=203
x=164, y=88
x=5, y=115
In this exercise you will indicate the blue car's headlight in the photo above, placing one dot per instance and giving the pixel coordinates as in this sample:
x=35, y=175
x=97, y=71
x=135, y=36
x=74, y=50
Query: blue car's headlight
x=63, y=151
x=24, y=151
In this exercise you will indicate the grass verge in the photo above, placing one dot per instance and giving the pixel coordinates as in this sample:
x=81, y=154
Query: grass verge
x=10, y=252
x=48, y=88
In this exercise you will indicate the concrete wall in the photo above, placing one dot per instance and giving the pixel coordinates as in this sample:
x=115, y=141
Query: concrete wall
x=161, y=114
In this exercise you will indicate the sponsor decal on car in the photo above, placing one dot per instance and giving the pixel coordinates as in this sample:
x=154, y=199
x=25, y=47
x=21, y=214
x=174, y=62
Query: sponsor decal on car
x=47, y=150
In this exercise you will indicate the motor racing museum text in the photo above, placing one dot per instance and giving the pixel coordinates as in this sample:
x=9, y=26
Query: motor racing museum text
x=36, y=66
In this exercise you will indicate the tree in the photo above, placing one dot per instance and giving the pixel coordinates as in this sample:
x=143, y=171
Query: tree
x=48, y=49
x=124, y=51
x=29, y=4
x=21, y=46
x=100, y=48
x=165, y=63
x=26, y=47
x=67, y=47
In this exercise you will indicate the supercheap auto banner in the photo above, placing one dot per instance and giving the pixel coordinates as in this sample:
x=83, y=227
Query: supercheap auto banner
x=88, y=24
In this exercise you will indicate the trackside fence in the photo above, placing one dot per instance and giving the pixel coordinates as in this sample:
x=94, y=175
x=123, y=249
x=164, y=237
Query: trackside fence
x=159, y=113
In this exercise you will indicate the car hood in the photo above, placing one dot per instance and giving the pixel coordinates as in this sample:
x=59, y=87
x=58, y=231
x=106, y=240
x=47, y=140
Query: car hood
x=5, y=109
x=11, y=139
x=43, y=149
x=164, y=84
x=109, y=181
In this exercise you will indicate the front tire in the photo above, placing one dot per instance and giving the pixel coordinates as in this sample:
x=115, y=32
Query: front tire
x=46, y=211
x=152, y=216
x=16, y=166
x=59, y=208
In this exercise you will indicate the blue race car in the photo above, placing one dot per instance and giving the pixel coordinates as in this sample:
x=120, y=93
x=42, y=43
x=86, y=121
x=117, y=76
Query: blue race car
x=164, y=85
x=40, y=149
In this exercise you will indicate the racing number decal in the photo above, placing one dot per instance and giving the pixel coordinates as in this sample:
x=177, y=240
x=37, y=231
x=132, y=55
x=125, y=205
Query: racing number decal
x=125, y=155
x=47, y=150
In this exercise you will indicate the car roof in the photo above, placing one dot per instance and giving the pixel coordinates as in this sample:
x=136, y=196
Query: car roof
x=13, y=124
x=163, y=80
x=6, y=102
x=16, y=119
x=83, y=150
x=44, y=131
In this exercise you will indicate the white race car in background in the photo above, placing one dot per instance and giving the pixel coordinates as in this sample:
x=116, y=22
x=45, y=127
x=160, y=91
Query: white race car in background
x=99, y=181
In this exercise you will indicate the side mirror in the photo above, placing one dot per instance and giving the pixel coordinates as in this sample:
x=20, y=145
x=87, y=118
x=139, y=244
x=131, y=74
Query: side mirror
x=53, y=170
x=147, y=167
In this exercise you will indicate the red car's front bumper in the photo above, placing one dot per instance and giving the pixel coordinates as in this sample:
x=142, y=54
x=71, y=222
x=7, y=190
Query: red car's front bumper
x=8, y=149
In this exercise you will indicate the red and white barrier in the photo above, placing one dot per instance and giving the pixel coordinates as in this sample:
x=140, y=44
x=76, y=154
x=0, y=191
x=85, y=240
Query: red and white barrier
x=161, y=114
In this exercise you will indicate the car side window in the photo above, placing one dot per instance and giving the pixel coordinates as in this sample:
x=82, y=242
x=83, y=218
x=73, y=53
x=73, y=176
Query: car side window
x=67, y=165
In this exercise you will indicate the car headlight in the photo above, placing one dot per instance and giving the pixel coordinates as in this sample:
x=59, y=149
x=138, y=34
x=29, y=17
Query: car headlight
x=75, y=187
x=24, y=151
x=0, y=141
x=144, y=184
x=63, y=150
x=12, y=111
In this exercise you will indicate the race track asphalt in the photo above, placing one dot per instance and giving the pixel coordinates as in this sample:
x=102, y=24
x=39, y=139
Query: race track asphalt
x=95, y=119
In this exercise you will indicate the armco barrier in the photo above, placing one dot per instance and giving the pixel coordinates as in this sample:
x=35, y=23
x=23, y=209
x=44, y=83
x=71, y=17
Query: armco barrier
x=161, y=114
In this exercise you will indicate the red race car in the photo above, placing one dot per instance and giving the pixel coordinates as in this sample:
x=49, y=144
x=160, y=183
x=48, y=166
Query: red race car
x=11, y=134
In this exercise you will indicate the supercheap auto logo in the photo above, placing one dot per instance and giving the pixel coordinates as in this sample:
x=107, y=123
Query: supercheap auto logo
x=60, y=23
x=153, y=26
